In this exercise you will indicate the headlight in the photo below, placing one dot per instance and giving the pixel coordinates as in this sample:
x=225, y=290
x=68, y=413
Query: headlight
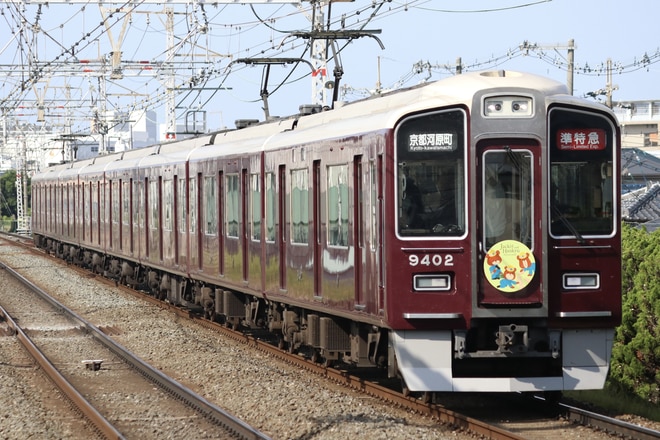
x=508, y=107
x=441, y=282
x=572, y=281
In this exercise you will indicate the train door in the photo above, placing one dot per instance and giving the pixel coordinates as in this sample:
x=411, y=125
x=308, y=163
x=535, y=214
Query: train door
x=317, y=240
x=221, y=224
x=120, y=214
x=73, y=211
x=245, y=188
x=510, y=239
x=282, y=224
x=182, y=220
x=377, y=227
x=200, y=221
x=193, y=243
x=126, y=220
x=98, y=204
x=176, y=218
x=358, y=231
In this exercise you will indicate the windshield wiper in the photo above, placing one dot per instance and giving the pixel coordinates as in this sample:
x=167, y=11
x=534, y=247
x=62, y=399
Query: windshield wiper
x=570, y=226
x=566, y=222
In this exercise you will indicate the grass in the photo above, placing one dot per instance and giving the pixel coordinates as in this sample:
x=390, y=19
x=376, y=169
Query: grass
x=614, y=401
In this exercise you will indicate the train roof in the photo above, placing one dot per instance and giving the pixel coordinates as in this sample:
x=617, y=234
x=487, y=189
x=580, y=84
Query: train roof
x=352, y=119
x=383, y=112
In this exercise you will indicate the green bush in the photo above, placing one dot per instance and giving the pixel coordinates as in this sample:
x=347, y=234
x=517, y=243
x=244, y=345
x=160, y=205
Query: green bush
x=636, y=353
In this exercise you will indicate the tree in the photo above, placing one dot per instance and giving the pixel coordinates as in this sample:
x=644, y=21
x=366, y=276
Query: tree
x=636, y=352
x=8, y=196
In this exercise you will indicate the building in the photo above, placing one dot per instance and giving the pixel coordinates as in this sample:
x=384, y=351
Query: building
x=640, y=161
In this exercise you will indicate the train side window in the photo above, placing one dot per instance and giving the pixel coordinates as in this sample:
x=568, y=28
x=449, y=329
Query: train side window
x=255, y=207
x=271, y=204
x=192, y=204
x=232, y=205
x=95, y=201
x=181, y=206
x=153, y=205
x=138, y=203
x=300, y=206
x=114, y=201
x=125, y=217
x=168, y=204
x=338, y=205
x=210, y=204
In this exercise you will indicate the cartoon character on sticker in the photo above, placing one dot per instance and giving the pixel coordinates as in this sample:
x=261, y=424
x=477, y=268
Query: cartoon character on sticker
x=509, y=266
x=508, y=281
x=526, y=264
x=493, y=260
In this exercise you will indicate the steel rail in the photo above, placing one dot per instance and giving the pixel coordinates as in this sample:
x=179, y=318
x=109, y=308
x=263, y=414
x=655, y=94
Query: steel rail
x=609, y=424
x=101, y=424
x=444, y=415
x=212, y=412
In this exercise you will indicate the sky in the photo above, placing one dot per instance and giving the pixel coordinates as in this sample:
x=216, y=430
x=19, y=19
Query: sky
x=421, y=40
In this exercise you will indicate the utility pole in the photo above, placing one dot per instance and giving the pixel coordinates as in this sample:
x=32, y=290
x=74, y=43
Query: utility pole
x=609, y=87
x=527, y=46
x=321, y=39
x=22, y=221
x=571, y=65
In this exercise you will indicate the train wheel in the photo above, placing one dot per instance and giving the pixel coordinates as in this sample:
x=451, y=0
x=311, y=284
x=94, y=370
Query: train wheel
x=404, y=388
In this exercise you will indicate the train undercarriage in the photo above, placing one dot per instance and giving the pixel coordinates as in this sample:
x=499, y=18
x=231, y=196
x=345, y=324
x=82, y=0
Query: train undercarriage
x=324, y=338
x=520, y=356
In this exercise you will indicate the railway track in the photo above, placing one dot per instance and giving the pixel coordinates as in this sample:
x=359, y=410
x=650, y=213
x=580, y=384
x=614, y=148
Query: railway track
x=485, y=427
x=515, y=428
x=58, y=338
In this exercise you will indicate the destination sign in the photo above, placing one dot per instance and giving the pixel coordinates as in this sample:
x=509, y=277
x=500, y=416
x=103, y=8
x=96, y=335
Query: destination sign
x=419, y=142
x=581, y=139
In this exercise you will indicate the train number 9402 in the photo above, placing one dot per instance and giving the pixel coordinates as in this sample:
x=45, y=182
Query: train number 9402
x=431, y=260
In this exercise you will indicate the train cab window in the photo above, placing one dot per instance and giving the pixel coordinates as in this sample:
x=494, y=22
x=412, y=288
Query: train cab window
x=581, y=192
x=430, y=175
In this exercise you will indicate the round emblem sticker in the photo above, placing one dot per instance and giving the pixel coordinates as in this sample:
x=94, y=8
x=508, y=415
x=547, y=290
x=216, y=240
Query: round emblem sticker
x=509, y=266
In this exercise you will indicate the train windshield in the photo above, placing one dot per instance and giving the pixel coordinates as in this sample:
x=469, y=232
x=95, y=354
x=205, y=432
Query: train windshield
x=430, y=175
x=581, y=184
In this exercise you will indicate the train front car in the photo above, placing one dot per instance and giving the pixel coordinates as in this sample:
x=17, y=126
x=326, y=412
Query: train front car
x=503, y=270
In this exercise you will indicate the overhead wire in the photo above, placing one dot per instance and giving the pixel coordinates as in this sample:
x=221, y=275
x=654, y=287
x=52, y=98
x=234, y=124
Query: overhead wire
x=356, y=18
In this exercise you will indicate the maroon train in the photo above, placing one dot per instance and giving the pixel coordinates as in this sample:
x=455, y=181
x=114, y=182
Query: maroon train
x=463, y=234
